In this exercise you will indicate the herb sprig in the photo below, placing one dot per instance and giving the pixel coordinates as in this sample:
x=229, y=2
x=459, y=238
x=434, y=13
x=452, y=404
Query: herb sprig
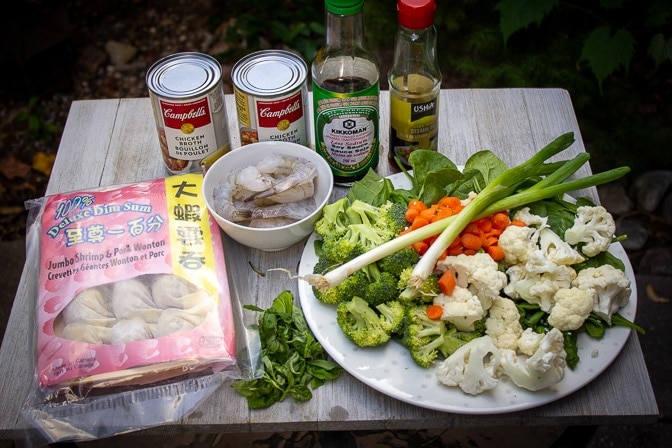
x=294, y=361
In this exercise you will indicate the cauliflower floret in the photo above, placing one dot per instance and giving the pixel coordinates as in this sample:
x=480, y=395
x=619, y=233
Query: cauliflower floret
x=543, y=369
x=479, y=273
x=558, y=250
x=529, y=341
x=530, y=219
x=539, y=263
x=516, y=243
x=473, y=367
x=551, y=352
x=461, y=308
x=537, y=281
x=503, y=323
x=608, y=286
x=572, y=307
x=594, y=226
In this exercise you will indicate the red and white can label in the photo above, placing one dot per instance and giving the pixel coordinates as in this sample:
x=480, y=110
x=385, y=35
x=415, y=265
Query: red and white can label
x=189, y=131
x=276, y=119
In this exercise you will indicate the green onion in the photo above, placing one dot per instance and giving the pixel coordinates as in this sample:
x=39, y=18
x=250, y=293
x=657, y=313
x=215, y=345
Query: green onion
x=500, y=194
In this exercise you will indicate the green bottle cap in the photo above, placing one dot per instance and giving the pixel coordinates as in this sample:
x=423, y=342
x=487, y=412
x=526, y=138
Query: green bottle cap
x=343, y=7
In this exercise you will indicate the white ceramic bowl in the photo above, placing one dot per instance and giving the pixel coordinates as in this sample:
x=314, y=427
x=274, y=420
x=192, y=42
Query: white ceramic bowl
x=276, y=238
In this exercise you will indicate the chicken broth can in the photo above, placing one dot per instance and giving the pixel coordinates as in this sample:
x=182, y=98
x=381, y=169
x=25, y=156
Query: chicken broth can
x=270, y=91
x=188, y=102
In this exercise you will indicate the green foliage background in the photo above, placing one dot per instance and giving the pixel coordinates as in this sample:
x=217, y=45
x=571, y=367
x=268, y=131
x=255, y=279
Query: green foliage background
x=613, y=56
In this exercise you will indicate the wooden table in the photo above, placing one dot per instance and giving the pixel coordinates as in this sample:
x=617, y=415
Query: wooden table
x=107, y=142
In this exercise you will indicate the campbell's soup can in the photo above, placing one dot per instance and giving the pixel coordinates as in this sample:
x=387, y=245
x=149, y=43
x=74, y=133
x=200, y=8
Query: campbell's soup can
x=187, y=98
x=271, y=93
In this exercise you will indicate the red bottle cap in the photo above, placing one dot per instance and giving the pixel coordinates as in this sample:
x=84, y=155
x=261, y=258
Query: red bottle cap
x=416, y=14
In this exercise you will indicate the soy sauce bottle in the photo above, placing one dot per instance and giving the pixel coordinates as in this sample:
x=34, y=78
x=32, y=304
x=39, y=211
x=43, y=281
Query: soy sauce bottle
x=346, y=91
x=415, y=82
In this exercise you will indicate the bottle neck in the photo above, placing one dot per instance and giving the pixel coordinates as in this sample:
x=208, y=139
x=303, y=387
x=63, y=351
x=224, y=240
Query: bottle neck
x=345, y=31
x=415, y=52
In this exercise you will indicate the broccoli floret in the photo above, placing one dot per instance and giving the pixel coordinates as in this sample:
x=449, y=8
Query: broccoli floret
x=361, y=324
x=334, y=220
x=426, y=338
x=382, y=290
x=331, y=296
x=341, y=249
x=426, y=293
x=396, y=262
x=387, y=219
x=423, y=336
x=393, y=315
x=454, y=339
x=355, y=284
x=323, y=265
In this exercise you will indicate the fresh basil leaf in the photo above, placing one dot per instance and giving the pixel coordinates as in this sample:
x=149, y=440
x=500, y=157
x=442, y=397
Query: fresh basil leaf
x=293, y=360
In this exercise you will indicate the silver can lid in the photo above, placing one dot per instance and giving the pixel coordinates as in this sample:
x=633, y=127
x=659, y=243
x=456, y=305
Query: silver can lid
x=269, y=73
x=184, y=75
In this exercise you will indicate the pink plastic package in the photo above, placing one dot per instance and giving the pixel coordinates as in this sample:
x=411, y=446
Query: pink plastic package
x=132, y=286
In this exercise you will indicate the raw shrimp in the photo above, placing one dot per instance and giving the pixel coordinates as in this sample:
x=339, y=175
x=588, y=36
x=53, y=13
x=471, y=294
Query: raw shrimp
x=277, y=189
x=267, y=223
x=294, y=194
x=293, y=210
x=293, y=175
x=225, y=203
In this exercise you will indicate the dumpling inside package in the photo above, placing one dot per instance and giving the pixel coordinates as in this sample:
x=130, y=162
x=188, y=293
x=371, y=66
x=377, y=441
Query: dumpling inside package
x=132, y=286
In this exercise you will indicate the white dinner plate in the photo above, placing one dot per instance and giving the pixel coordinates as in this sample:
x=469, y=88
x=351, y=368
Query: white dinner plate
x=390, y=369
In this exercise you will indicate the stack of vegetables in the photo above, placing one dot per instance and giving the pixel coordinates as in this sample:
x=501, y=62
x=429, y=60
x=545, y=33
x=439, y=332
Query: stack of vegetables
x=484, y=272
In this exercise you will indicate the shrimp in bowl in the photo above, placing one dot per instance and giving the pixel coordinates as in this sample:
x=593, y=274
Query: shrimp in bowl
x=268, y=195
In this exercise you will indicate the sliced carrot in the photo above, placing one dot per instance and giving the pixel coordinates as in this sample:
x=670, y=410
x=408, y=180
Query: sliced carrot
x=517, y=222
x=495, y=252
x=449, y=202
x=490, y=241
x=417, y=204
x=411, y=214
x=419, y=222
x=456, y=242
x=471, y=241
x=447, y=283
x=434, y=312
x=420, y=247
x=472, y=228
x=455, y=250
x=444, y=213
x=428, y=213
x=484, y=224
x=495, y=232
x=500, y=220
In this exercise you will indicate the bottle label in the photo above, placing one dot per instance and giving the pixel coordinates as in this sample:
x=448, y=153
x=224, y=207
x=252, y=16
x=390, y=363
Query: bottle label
x=346, y=129
x=413, y=125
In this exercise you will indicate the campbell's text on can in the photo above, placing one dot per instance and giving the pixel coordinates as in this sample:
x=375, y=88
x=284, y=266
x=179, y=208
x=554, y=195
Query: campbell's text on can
x=188, y=102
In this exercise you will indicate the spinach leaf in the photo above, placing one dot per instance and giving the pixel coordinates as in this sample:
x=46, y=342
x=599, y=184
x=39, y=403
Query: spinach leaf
x=488, y=164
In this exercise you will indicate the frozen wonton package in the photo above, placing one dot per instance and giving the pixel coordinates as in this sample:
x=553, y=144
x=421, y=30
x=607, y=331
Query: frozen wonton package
x=137, y=319
x=132, y=286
